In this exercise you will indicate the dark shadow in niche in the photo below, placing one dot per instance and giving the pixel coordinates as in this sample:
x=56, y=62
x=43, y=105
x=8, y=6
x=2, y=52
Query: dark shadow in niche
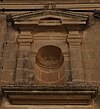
x=0, y=97
x=97, y=101
x=70, y=76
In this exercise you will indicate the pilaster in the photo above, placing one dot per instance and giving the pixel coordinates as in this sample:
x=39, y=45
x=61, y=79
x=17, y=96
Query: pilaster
x=75, y=40
x=24, y=40
x=0, y=97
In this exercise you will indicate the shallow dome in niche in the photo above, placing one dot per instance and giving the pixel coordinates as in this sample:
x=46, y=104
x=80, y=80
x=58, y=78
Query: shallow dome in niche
x=49, y=56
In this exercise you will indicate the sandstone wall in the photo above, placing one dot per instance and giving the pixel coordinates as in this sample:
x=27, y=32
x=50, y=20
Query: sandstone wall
x=8, y=51
x=91, y=52
x=91, y=55
x=9, y=54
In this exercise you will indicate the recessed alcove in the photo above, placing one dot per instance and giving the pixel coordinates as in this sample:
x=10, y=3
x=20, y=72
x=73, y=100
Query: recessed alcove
x=49, y=68
x=50, y=21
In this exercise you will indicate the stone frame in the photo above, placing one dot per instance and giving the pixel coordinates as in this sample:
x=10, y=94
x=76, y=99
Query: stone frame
x=80, y=92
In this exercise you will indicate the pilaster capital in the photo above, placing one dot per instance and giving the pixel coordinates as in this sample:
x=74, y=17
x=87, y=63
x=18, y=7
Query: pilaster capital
x=74, y=38
x=25, y=38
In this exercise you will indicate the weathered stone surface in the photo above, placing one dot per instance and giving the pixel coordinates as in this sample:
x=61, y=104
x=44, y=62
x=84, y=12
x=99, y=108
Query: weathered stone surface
x=13, y=108
x=18, y=65
x=75, y=40
x=91, y=54
x=48, y=107
x=97, y=103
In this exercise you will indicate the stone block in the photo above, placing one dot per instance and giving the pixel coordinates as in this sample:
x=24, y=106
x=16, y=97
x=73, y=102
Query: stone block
x=25, y=63
x=59, y=43
x=76, y=63
x=77, y=75
x=10, y=54
x=7, y=76
x=19, y=75
x=38, y=73
x=10, y=46
x=88, y=74
x=25, y=75
x=97, y=54
x=23, y=53
x=85, y=55
x=88, y=64
x=68, y=75
x=95, y=76
x=92, y=54
x=90, y=45
x=48, y=107
x=96, y=64
x=75, y=53
x=13, y=107
x=1, y=46
x=67, y=65
x=9, y=64
x=50, y=76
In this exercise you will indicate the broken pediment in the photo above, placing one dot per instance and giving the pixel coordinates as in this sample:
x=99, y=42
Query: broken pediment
x=49, y=17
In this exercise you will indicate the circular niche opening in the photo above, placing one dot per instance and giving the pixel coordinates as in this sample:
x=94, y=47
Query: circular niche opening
x=49, y=57
x=49, y=67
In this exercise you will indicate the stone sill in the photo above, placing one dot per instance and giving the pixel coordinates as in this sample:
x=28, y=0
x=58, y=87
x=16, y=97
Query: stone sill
x=70, y=95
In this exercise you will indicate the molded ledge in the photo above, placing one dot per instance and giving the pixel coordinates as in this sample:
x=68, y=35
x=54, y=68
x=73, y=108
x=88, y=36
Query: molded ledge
x=69, y=94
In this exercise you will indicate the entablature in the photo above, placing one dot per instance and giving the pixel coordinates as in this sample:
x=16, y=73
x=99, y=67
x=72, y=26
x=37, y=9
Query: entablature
x=59, y=4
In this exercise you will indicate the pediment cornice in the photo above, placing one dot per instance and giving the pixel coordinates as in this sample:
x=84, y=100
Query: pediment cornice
x=62, y=17
x=59, y=13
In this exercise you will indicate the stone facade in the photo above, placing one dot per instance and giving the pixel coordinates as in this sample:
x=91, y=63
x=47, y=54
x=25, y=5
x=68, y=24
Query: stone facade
x=72, y=27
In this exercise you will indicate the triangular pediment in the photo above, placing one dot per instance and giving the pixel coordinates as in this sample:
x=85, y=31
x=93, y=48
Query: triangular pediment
x=64, y=17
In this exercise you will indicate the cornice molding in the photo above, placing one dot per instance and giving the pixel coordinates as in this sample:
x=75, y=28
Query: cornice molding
x=51, y=12
x=54, y=1
x=41, y=5
x=41, y=17
x=71, y=93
